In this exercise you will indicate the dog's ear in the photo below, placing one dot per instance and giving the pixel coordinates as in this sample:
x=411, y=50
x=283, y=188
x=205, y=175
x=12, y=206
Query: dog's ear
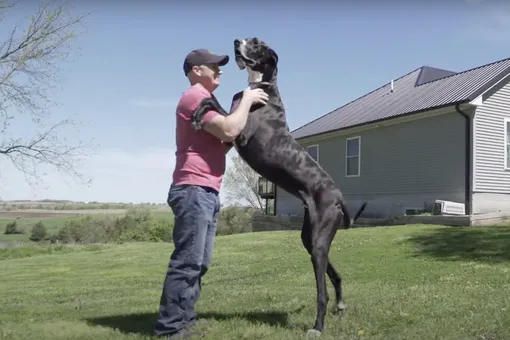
x=273, y=57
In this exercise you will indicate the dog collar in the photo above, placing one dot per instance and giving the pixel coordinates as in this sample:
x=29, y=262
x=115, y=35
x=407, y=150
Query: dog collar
x=261, y=83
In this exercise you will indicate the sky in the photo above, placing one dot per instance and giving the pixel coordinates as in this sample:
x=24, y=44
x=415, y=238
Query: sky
x=125, y=77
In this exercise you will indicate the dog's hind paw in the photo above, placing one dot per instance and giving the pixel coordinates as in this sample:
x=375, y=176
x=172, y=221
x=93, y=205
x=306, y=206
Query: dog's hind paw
x=340, y=307
x=313, y=333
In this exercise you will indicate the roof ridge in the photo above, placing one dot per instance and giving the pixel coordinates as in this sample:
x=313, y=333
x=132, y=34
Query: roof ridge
x=468, y=70
x=356, y=99
x=437, y=68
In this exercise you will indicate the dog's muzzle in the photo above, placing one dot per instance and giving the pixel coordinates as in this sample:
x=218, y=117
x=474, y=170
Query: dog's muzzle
x=240, y=54
x=239, y=60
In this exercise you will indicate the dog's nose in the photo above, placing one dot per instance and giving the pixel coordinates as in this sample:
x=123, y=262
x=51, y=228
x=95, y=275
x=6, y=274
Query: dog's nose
x=237, y=43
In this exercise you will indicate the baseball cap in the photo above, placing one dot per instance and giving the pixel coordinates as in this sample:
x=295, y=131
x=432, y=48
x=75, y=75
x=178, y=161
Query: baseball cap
x=202, y=56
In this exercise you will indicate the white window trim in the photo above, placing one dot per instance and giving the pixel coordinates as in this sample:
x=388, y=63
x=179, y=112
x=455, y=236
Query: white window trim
x=359, y=156
x=505, y=138
x=314, y=146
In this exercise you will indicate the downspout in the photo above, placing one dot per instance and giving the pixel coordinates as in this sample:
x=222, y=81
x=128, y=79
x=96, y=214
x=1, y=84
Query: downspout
x=467, y=172
x=275, y=199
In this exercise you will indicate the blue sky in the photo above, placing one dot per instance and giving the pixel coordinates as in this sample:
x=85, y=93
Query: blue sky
x=126, y=76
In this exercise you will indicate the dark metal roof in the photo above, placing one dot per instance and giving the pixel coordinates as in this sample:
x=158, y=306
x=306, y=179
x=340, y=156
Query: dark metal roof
x=422, y=89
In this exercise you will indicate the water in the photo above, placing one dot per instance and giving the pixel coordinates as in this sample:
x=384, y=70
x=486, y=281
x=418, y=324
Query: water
x=8, y=245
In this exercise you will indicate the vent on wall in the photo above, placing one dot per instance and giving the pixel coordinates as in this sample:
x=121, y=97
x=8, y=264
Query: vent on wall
x=414, y=211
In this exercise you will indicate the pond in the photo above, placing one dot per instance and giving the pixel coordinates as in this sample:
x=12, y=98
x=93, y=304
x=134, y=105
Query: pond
x=7, y=245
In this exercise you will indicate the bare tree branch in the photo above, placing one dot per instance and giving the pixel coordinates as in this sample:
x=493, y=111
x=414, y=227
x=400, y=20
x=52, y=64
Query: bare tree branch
x=241, y=184
x=44, y=149
x=29, y=65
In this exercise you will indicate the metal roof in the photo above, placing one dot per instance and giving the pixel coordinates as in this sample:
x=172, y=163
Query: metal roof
x=420, y=90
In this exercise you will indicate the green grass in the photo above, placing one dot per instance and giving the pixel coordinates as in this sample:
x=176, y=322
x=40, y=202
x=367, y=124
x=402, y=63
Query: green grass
x=407, y=282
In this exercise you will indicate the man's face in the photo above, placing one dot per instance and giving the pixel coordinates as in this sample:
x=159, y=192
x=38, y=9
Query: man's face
x=209, y=75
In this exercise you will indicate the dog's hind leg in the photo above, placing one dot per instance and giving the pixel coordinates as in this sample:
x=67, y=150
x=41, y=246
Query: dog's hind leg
x=316, y=235
x=336, y=280
x=320, y=264
x=322, y=236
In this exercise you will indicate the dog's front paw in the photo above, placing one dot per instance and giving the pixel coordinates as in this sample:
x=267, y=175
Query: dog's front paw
x=313, y=333
x=196, y=125
x=340, y=307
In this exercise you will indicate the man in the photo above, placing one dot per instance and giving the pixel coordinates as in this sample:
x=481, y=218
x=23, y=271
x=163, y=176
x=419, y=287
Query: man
x=193, y=195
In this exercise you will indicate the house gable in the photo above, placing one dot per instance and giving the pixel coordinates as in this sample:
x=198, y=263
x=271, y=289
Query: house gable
x=429, y=74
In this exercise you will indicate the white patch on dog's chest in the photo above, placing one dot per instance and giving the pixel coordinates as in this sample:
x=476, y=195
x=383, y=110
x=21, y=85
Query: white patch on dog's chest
x=254, y=76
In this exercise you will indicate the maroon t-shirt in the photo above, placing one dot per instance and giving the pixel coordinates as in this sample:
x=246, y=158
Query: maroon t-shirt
x=200, y=156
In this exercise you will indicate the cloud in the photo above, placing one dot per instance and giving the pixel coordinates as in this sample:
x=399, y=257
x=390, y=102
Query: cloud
x=153, y=103
x=139, y=175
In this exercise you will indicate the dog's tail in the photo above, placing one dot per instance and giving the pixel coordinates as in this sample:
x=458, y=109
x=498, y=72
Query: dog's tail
x=348, y=221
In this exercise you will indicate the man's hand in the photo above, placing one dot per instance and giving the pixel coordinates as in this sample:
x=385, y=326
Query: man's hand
x=255, y=96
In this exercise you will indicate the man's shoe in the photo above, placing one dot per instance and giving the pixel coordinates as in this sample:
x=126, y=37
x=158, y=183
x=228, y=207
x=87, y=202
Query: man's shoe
x=184, y=333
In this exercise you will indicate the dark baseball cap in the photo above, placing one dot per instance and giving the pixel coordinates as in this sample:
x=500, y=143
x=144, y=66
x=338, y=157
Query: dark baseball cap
x=202, y=56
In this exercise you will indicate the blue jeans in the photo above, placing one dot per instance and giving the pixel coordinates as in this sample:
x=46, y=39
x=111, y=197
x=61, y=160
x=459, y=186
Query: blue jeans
x=196, y=211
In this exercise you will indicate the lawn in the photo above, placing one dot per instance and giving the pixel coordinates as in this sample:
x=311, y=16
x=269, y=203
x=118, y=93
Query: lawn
x=406, y=282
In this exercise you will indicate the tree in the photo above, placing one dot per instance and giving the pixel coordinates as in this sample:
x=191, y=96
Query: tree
x=29, y=64
x=241, y=184
x=38, y=233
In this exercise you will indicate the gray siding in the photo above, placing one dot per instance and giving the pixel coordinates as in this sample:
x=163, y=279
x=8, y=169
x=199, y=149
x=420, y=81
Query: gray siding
x=403, y=166
x=491, y=179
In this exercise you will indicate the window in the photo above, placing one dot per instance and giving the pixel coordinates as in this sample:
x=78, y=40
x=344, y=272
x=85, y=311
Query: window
x=507, y=143
x=313, y=150
x=352, y=156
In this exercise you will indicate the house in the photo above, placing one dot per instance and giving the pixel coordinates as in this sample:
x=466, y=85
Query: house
x=430, y=134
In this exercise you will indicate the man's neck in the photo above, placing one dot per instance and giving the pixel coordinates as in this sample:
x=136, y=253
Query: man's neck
x=202, y=86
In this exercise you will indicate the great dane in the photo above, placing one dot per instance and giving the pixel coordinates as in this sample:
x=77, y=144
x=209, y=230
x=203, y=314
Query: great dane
x=267, y=146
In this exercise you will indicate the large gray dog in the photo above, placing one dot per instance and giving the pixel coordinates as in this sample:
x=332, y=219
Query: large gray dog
x=268, y=147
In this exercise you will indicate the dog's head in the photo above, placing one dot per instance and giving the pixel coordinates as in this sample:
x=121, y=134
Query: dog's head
x=257, y=57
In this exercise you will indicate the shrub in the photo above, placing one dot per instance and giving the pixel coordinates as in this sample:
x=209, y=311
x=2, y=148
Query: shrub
x=234, y=220
x=12, y=228
x=138, y=225
x=161, y=231
x=85, y=230
x=38, y=233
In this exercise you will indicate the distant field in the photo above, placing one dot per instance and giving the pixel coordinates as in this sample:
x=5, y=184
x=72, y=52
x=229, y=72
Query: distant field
x=54, y=220
x=68, y=205
x=42, y=213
